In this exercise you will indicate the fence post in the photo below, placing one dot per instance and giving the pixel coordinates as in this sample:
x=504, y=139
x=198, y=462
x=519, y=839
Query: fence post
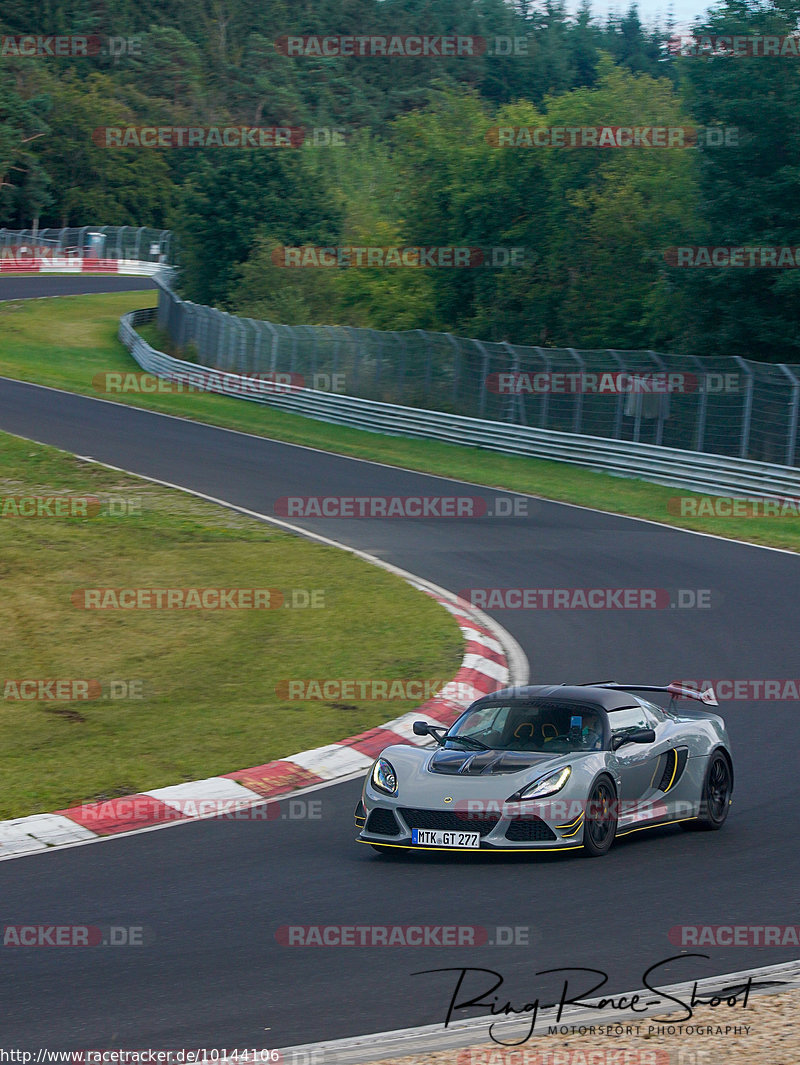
x=456, y=366
x=427, y=381
x=401, y=366
x=663, y=400
x=274, y=347
x=577, y=417
x=183, y=327
x=482, y=398
x=791, y=440
x=747, y=413
x=517, y=401
x=335, y=362
x=378, y=360
x=620, y=396
x=314, y=339
x=700, y=436
x=241, y=358
x=544, y=409
x=350, y=331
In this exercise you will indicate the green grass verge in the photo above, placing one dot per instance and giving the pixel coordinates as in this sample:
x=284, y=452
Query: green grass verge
x=207, y=679
x=65, y=342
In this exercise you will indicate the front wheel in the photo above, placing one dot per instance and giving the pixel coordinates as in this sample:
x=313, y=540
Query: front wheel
x=600, y=826
x=716, y=796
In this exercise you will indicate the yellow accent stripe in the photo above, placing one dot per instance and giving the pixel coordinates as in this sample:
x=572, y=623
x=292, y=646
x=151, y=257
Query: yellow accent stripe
x=464, y=850
x=574, y=832
x=572, y=823
x=674, y=771
x=655, y=824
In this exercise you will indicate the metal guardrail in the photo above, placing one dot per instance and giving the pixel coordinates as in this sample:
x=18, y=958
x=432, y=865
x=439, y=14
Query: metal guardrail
x=716, y=474
x=720, y=405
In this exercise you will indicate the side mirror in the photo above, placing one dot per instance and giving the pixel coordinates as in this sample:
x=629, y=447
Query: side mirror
x=420, y=728
x=636, y=735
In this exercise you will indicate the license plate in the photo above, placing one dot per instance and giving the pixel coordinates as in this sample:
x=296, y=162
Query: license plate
x=436, y=838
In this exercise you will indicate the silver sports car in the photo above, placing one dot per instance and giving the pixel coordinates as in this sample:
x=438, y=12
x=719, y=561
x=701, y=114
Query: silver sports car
x=551, y=767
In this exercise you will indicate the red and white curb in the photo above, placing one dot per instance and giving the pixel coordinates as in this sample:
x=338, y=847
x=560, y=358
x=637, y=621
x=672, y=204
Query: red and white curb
x=65, y=265
x=485, y=668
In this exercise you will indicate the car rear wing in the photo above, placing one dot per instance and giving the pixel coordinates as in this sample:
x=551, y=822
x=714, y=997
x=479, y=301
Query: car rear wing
x=677, y=691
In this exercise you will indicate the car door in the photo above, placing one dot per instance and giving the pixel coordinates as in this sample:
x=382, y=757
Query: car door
x=636, y=762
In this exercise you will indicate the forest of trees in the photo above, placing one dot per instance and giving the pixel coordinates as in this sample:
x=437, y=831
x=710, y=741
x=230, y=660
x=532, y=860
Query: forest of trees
x=418, y=165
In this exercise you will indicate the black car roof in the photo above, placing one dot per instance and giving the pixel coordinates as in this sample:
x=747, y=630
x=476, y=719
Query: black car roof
x=583, y=694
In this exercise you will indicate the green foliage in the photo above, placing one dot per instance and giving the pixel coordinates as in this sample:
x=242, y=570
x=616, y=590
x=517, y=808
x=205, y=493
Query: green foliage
x=748, y=194
x=419, y=166
x=225, y=208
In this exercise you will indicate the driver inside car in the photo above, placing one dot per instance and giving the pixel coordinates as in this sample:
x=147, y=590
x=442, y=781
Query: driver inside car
x=592, y=734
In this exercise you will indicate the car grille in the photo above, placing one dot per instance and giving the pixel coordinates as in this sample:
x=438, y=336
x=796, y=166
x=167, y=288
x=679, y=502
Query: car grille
x=450, y=821
x=529, y=830
x=383, y=823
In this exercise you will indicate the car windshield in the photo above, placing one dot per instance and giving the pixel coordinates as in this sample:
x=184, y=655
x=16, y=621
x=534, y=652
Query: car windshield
x=546, y=727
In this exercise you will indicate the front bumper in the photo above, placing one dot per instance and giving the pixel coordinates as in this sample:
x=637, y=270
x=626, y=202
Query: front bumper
x=387, y=825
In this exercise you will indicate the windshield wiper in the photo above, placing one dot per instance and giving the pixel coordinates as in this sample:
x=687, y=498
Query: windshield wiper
x=468, y=740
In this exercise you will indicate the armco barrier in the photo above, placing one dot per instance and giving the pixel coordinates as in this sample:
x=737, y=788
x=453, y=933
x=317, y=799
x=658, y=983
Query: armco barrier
x=720, y=475
x=125, y=267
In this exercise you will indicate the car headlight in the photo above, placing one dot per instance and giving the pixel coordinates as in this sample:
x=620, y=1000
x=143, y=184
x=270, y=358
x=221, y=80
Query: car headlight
x=384, y=777
x=539, y=789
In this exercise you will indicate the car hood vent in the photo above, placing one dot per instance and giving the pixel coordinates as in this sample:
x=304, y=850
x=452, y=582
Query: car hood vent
x=475, y=763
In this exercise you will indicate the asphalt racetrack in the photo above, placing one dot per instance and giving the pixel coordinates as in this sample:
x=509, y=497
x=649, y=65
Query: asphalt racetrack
x=35, y=286
x=213, y=895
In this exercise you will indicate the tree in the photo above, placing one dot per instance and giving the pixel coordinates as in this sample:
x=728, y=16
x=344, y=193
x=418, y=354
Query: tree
x=233, y=198
x=24, y=183
x=749, y=191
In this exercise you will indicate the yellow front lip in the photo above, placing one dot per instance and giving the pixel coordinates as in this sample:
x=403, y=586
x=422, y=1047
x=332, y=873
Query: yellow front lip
x=466, y=850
